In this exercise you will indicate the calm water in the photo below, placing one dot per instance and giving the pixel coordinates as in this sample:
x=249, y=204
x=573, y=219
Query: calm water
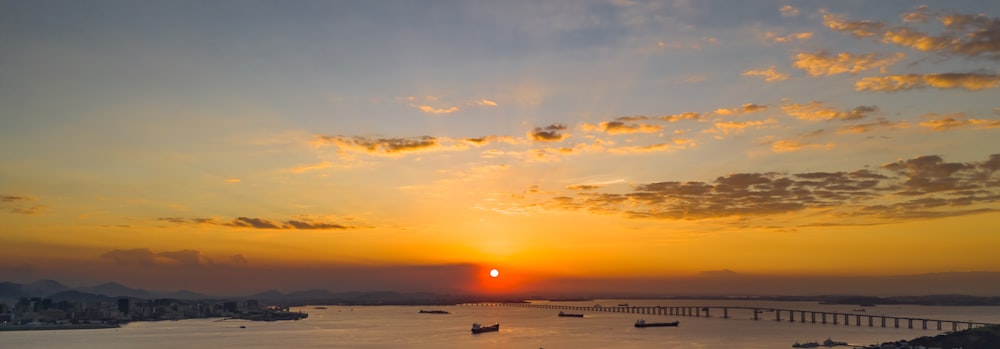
x=404, y=327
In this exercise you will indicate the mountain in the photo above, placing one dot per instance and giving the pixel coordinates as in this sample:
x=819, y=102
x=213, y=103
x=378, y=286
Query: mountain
x=114, y=289
x=42, y=288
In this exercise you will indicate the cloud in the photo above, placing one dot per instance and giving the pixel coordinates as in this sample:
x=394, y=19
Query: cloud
x=618, y=127
x=582, y=187
x=18, y=204
x=785, y=146
x=641, y=149
x=481, y=141
x=381, y=146
x=313, y=167
x=232, y=180
x=869, y=127
x=891, y=83
x=771, y=74
x=437, y=111
x=184, y=257
x=682, y=116
x=551, y=133
x=304, y=223
x=734, y=127
x=743, y=109
x=313, y=226
x=138, y=256
x=819, y=111
x=788, y=38
x=486, y=103
x=925, y=186
x=788, y=11
x=958, y=121
x=965, y=35
x=256, y=223
x=824, y=63
x=144, y=257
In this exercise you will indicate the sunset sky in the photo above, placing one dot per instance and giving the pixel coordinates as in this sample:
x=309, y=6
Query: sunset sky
x=237, y=146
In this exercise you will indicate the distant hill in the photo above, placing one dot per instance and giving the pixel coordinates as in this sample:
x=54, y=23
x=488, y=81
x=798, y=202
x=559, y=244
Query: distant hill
x=114, y=289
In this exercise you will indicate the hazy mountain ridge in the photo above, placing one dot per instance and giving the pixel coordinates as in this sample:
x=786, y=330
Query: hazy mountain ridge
x=926, y=289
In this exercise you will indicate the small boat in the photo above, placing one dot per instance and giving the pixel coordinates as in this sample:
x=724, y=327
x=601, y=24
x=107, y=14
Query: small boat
x=243, y=326
x=832, y=343
x=642, y=323
x=623, y=305
x=860, y=310
x=477, y=328
x=562, y=314
x=433, y=312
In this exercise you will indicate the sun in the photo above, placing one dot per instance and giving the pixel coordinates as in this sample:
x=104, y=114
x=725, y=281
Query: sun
x=494, y=273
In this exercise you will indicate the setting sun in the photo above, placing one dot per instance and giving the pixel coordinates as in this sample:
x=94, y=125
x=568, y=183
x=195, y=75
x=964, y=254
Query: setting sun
x=494, y=273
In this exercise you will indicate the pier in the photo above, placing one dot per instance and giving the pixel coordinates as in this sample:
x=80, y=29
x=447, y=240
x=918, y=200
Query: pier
x=765, y=313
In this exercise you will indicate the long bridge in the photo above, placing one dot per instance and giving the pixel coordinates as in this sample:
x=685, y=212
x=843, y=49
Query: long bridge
x=759, y=313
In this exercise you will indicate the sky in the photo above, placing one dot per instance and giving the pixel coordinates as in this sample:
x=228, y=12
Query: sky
x=237, y=146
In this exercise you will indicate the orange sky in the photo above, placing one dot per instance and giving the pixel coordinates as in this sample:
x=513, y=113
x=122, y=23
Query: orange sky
x=290, y=146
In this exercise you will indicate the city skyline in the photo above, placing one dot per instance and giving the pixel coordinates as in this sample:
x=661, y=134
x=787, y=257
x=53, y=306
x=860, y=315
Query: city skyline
x=414, y=146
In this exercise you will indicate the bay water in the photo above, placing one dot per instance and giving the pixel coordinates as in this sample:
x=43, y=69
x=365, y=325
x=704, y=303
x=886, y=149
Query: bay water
x=405, y=327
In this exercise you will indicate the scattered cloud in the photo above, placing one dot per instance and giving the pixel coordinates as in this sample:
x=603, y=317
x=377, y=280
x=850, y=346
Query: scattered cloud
x=819, y=111
x=380, y=146
x=641, y=149
x=789, y=11
x=824, y=63
x=965, y=35
x=682, y=116
x=771, y=74
x=743, y=109
x=304, y=223
x=313, y=167
x=138, y=256
x=486, y=103
x=891, y=83
x=551, y=133
x=232, y=180
x=774, y=37
x=144, y=257
x=923, y=187
x=619, y=127
x=19, y=204
x=583, y=187
x=872, y=126
x=786, y=146
x=725, y=128
x=954, y=121
x=437, y=111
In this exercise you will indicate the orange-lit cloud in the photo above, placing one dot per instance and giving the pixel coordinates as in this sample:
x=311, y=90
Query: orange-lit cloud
x=871, y=126
x=785, y=146
x=619, y=127
x=582, y=187
x=743, y=109
x=723, y=128
x=926, y=187
x=824, y=63
x=641, y=149
x=819, y=111
x=19, y=204
x=967, y=35
x=307, y=168
x=682, y=116
x=770, y=74
x=232, y=180
x=788, y=11
x=890, y=83
x=486, y=102
x=551, y=133
x=381, y=146
x=305, y=223
x=787, y=38
x=958, y=121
